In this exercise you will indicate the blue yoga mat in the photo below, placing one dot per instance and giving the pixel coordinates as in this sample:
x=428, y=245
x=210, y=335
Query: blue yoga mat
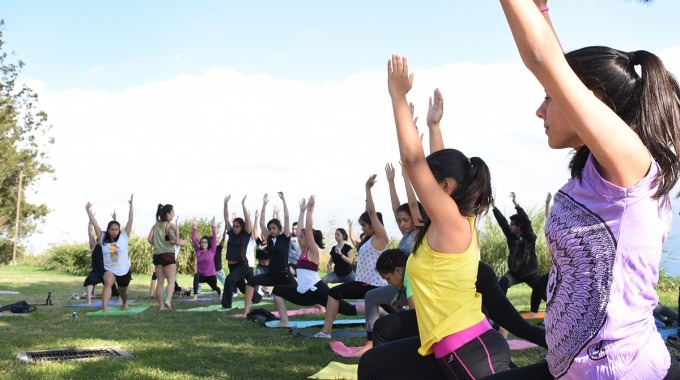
x=304, y=324
x=665, y=333
x=98, y=303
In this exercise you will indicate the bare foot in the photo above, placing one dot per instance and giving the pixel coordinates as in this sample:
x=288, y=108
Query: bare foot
x=125, y=306
x=281, y=324
x=167, y=306
x=195, y=297
x=363, y=349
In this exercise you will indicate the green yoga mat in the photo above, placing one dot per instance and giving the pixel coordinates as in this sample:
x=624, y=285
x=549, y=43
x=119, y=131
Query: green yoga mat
x=114, y=311
x=234, y=305
x=304, y=324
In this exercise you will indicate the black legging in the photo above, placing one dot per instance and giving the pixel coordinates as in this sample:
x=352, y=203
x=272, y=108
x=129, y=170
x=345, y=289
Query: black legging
x=308, y=298
x=509, y=279
x=210, y=280
x=238, y=274
x=539, y=292
x=350, y=290
x=498, y=308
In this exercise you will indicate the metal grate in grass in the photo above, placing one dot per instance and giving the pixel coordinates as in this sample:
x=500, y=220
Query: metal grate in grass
x=66, y=354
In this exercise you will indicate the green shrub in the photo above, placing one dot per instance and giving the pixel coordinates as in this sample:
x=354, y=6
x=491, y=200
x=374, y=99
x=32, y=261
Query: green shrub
x=7, y=249
x=72, y=258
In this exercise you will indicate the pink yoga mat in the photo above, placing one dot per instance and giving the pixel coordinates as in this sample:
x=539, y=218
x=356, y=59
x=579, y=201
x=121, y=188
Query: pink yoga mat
x=516, y=344
x=344, y=351
x=310, y=310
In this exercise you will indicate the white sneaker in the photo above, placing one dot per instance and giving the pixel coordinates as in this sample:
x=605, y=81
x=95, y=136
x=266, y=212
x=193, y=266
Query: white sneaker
x=322, y=334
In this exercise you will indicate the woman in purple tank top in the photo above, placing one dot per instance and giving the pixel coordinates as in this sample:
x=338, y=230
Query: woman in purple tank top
x=620, y=113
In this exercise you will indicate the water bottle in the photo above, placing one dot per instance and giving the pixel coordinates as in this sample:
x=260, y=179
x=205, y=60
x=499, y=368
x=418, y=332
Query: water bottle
x=75, y=315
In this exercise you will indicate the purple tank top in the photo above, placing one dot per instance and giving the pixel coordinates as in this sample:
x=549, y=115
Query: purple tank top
x=606, y=244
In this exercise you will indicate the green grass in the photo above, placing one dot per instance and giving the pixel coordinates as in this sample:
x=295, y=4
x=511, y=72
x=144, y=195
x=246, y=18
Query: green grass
x=209, y=345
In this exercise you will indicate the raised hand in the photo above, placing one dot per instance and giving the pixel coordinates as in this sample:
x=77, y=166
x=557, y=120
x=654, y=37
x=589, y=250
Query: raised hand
x=371, y=181
x=226, y=199
x=132, y=197
x=244, y=199
x=389, y=172
x=436, y=109
x=512, y=196
x=303, y=205
x=193, y=223
x=310, y=203
x=113, y=215
x=88, y=206
x=350, y=223
x=212, y=221
x=399, y=82
x=257, y=214
x=281, y=196
x=548, y=198
x=265, y=198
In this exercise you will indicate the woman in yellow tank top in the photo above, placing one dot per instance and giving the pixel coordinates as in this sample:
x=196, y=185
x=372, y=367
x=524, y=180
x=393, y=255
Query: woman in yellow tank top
x=455, y=340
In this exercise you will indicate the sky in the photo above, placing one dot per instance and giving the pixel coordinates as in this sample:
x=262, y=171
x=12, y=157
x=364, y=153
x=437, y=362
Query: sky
x=184, y=102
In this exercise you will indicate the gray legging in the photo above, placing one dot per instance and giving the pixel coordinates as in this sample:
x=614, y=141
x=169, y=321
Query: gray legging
x=383, y=295
x=332, y=278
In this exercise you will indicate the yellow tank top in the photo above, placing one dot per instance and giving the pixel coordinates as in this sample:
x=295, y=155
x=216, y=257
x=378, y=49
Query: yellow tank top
x=444, y=291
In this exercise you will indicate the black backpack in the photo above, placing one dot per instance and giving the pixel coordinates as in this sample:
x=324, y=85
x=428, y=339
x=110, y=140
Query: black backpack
x=20, y=307
x=261, y=316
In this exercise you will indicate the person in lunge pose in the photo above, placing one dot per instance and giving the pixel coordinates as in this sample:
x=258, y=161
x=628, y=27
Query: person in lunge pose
x=455, y=339
x=205, y=258
x=114, y=243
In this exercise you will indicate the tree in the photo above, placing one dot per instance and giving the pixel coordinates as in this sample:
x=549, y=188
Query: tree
x=24, y=139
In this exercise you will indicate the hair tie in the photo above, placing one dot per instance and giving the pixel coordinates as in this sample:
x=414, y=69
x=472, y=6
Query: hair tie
x=632, y=59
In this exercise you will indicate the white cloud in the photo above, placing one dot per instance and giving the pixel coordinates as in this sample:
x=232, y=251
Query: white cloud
x=95, y=70
x=191, y=140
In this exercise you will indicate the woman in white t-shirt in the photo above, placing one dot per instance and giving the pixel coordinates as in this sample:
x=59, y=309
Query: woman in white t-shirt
x=115, y=254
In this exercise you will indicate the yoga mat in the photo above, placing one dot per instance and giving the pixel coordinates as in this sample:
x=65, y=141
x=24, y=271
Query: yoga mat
x=335, y=370
x=234, y=305
x=304, y=324
x=344, y=351
x=3, y=314
x=665, y=333
x=12, y=292
x=340, y=334
x=199, y=299
x=517, y=344
x=117, y=312
x=98, y=303
x=539, y=315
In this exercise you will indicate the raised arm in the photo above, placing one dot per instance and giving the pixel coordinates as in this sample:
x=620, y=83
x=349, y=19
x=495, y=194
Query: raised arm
x=90, y=235
x=621, y=156
x=547, y=204
x=128, y=226
x=194, y=236
x=502, y=222
x=263, y=226
x=352, y=237
x=93, y=221
x=213, y=229
x=412, y=200
x=254, y=234
x=527, y=229
x=394, y=198
x=379, y=233
x=227, y=219
x=450, y=231
x=286, y=216
x=246, y=215
x=301, y=216
x=313, y=253
x=434, y=117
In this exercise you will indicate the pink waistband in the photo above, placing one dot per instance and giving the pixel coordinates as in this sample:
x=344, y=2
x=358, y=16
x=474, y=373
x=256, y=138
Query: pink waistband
x=457, y=340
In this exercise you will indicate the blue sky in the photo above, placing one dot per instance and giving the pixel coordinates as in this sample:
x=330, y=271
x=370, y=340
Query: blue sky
x=107, y=45
x=185, y=101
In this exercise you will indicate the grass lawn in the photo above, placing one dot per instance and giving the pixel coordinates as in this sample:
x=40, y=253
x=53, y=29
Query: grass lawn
x=165, y=345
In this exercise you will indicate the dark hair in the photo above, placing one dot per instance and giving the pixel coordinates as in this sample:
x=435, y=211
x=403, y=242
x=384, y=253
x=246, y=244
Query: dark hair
x=649, y=104
x=405, y=208
x=162, y=212
x=241, y=222
x=209, y=239
x=473, y=194
x=107, y=238
x=515, y=219
x=276, y=222
x=318, y=238
x=367, y=220
x=390, y=260
x=343, y=233
x=295, y=224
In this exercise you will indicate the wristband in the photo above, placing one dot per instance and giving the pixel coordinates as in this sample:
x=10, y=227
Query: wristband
x=544, y=8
